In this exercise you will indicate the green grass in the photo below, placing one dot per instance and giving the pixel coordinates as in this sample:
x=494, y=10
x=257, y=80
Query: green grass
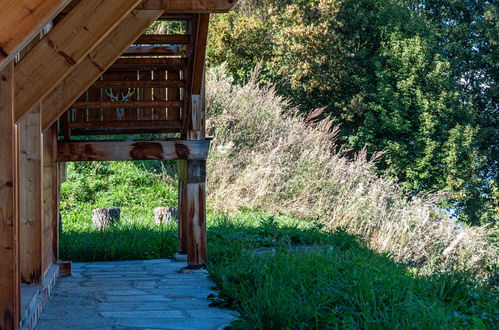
x=340, y=284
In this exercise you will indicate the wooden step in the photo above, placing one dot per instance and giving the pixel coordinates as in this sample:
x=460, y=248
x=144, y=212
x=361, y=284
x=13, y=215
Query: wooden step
x=176, y=17
x=172, y=39
x=126, y=105
x=140, y=83
x=151, y=50
x=129, y=64
x=121, y=130
x=125, y=123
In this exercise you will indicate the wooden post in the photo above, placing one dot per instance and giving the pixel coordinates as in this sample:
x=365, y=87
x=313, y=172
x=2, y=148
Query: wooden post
x=192, y=227
x=50, y=226
x=30, y=196
x=192, y=173
x=9, y=270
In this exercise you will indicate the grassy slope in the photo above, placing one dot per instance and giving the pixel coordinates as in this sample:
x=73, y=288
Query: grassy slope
x=342, y=284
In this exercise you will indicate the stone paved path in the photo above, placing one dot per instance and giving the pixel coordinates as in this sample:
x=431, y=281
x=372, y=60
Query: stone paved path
x=148, y=294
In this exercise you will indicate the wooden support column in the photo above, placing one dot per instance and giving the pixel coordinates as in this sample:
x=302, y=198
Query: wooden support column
x=30, y=196
x=50, y=195
x=192, y=228
x=9, y=270
x=192, y=174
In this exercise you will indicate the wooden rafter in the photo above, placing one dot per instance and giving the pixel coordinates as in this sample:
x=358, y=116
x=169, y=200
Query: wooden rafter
x=21, y=21
x=136, y=150
x=64, y=47
x=94, y=64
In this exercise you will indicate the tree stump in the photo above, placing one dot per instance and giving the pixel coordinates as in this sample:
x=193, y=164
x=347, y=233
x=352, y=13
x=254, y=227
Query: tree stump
x=165, y=215
x=103, y=218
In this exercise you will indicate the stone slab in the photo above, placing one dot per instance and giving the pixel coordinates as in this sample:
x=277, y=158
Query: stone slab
x=137, y=294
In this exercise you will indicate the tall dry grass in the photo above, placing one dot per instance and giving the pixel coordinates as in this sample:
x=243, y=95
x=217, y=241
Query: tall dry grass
x=266, y=156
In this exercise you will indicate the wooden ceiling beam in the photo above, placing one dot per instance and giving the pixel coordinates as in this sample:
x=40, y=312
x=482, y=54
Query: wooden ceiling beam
x=131, y=150
x=64, y=47
x=21, y=21
x=189, y=6
x=94, y=64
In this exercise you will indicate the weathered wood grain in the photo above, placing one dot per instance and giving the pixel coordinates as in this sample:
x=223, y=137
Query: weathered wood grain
x=192, y=205
x=30, y=196
x=64, y=47
x=50, y=201
x=89, y=70
x=132, y=150
x=21, y=21
x=9, y=220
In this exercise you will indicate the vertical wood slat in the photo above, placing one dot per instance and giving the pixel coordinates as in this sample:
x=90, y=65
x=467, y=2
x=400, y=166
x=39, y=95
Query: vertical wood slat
x=131, y=113
x=146, y=95
x=108, y=114
x=173, y=94
x=159, y=95
x=94, y=95
x=9, y=253
x=30, y=196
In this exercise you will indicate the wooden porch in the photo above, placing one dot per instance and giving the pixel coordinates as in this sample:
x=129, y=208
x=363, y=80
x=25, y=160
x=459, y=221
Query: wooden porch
x=82, y=80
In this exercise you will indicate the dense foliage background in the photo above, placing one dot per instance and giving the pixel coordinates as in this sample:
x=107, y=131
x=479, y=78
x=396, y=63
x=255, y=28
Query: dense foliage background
x=416, y=80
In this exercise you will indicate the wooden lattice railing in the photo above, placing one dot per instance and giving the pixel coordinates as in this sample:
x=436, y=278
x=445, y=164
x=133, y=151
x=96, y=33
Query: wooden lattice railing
x=144, y=91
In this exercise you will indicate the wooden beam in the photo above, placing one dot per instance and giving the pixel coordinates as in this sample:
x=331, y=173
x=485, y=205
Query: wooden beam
x=9, y=253
x=189, y=6
x=131, y=150
x=21, y=21
x=64, y=47
x=93, y=65
x=200, y=54
x=30, y=196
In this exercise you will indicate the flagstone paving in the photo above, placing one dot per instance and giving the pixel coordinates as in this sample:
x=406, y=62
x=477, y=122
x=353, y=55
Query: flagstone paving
x=145, y=294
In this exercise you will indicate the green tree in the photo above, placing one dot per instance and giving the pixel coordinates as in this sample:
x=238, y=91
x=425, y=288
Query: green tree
x=388, y=72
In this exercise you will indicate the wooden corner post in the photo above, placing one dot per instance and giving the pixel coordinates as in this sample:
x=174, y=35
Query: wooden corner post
x=192, y=173
x=30, y=161
x=9, y=269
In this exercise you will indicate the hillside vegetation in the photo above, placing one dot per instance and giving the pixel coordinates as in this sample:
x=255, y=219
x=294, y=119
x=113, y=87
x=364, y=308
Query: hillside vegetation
x=266, y=156
x=414, y=79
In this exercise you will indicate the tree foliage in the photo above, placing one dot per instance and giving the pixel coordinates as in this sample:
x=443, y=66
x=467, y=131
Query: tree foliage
x=415, y=79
